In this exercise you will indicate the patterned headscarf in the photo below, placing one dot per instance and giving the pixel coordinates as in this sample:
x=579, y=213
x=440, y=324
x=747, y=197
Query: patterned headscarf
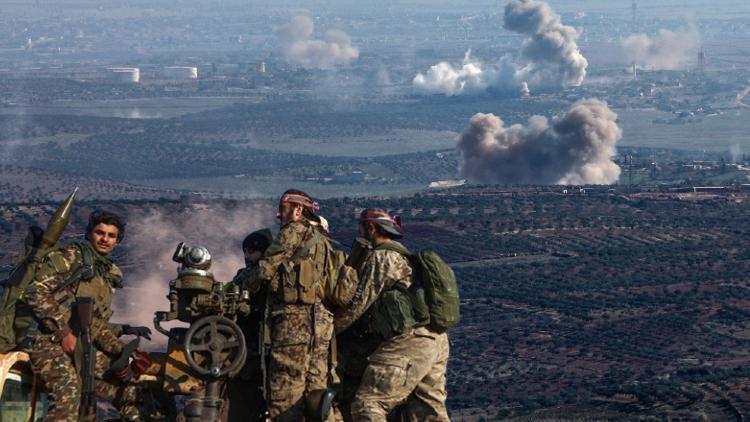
x=293, y=196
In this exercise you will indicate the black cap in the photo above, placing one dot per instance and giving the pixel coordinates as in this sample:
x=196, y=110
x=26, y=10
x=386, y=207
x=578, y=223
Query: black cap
x=258, y=241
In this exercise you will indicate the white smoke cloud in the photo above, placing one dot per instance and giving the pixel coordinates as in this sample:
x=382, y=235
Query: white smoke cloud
x=298, y=49
x=549, y=55
x=576, y=148
x=443, y=78
x=151, y=239
x=525, y=92
x=667, y=50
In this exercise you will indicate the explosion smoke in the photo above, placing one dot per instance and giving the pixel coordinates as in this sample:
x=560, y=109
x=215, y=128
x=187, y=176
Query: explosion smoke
x=314, y=54
x=151, y=240
x=550, y=52
x=576, y=149
x=666, y=51
x=525, y=92
x=445, y=79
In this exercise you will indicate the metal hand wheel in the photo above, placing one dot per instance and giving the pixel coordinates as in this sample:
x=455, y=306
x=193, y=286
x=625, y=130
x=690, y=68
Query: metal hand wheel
x=215, y=347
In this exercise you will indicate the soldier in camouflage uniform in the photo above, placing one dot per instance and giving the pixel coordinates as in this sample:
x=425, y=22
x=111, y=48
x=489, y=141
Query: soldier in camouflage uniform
x=409, y=365
x=60, y=279
x=245, y=393
x=300, y=270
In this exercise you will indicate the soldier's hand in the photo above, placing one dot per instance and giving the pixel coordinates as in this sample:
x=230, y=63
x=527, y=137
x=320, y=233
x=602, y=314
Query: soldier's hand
x=137, y=331
x=68, y=343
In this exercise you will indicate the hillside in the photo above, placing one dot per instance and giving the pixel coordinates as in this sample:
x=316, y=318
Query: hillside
x=573, y=305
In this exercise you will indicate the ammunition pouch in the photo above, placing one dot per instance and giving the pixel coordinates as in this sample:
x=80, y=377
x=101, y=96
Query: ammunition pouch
x=393, y=313
x=297, y=282
x=318, y=405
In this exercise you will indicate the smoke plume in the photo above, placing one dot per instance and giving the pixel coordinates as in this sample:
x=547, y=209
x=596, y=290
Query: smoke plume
x=314, y=54
x=550, y=56
x=666, y=50
x=575, y=149
x=551, y=51
x=443, y=78
x=150, y=241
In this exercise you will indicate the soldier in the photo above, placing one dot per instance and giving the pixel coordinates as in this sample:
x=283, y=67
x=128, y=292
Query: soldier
x=409, y=365
x=299, y=268
x=81, y=269
x=246, y=392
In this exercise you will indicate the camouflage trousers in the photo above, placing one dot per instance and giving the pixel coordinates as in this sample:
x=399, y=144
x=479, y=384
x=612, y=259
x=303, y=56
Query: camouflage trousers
x=408, y=369
x=62, y=384
x=299, y=358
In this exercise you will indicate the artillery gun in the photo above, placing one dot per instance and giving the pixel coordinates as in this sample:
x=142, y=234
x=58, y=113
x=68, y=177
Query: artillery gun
x=202, y=357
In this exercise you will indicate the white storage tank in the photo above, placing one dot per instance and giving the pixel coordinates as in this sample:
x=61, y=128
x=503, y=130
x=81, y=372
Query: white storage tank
x=125, y=74
x=180, y=72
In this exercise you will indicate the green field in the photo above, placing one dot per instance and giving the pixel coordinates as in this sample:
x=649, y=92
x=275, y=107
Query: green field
x=712, y=133
x=135, y=108
x=395, y=141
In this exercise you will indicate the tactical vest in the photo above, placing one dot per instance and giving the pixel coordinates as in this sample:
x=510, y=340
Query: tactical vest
x=85, y=283
x=304, y=278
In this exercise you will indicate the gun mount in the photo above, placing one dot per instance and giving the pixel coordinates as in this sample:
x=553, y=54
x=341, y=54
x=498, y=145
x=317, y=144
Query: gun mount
x=195, y=293
x=213, y=347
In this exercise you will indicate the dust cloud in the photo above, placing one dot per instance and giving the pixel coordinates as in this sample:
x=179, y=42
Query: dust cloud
x=576, y=148
x=667, y=50
x=299, y=49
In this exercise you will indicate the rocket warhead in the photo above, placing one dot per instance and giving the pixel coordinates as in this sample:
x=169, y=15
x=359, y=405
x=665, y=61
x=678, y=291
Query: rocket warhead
x=59, y=221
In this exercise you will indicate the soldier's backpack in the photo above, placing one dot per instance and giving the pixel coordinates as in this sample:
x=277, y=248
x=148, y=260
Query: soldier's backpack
x=438, y=286
x=13, y=287
x=15, y=320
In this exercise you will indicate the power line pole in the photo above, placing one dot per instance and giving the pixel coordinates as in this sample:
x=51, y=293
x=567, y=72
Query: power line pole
x=630, y=173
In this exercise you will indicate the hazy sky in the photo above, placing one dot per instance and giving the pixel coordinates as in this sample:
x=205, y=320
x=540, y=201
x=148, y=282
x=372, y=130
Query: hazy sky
x=653, y=8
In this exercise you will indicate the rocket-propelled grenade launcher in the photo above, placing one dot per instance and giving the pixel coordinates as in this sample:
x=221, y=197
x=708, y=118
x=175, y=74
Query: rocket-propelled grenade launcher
x=38, y=243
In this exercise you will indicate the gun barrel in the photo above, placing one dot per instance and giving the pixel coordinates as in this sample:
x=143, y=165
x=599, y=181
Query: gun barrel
x=59, y=220
x=85, y=309
x=88, y=383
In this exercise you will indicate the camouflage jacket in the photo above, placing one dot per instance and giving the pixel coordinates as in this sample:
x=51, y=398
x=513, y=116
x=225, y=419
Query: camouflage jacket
x=382, y=270
x=52, y=305
x=326, y=264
